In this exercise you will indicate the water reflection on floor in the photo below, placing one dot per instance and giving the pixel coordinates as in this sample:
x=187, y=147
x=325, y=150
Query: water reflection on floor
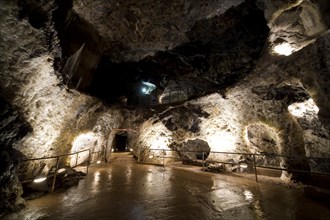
x=124, y=189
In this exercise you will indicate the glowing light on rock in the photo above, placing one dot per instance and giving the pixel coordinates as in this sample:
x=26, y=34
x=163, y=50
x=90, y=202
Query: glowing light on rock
x=155, y=136
x=221, y=129
x=284, y=49
x=222, y=141
x=302, y=109
x=159, y=143
x=45, y=105
x=47, y=100
x=83, y=142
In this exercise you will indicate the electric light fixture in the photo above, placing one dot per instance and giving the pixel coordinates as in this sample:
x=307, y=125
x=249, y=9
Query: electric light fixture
x=39, y=179
x=283, y=49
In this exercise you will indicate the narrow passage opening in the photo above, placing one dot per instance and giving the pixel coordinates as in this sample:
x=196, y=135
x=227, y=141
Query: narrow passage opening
x=120, y=142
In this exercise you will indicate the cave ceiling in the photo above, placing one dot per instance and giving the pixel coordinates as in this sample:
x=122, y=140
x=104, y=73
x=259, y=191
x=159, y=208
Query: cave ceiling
x=107, y=48
x=142, y=28
x=189, y=42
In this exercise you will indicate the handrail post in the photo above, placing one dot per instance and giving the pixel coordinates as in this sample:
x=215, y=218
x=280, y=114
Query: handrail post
x=76, y=160
x=54, y=179
x=203, y=161
x=163, y=158
x=88, y=161
x=255, y=167
x=139, y=158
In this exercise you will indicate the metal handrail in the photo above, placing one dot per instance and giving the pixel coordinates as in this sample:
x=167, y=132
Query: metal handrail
x=238, y=153
x=52, y=157
x=255, y=166
x=57, y=157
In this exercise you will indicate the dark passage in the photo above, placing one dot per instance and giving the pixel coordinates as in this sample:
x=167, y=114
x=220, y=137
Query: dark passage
x=119, y=142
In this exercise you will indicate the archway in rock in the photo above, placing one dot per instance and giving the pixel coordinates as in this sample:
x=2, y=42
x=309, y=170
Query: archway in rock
x=119, y=143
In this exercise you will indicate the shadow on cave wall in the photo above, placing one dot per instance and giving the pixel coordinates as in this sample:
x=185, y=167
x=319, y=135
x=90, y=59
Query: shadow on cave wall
x=13, y=128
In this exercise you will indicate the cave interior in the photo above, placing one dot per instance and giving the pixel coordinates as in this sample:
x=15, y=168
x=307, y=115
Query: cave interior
x=180, y=78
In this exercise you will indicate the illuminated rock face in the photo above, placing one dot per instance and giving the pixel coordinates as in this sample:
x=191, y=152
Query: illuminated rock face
x=32, y=85
x=279, y=109
x=294, y=24
x=54, y=114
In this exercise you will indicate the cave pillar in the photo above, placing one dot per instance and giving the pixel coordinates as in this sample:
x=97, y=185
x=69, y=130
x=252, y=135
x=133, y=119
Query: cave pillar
x=292, y=145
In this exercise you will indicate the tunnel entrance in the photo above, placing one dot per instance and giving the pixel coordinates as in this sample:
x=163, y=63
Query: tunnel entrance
x=120, y=142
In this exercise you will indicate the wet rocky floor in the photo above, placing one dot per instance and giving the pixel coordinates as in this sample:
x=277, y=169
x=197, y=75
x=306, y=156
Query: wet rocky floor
x=125, y=189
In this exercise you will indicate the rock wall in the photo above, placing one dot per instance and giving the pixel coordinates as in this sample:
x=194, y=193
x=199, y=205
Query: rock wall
x=55, y=115
x=81, y=46
x=277, y=109
x=295, y=23
x=13, y=128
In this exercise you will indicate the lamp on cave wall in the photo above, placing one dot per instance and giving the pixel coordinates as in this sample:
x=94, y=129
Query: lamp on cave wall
x=243, y=165
x=42, y=175
x=147, y=88
x=40, y=179
x=283, y=49
x=61, y=170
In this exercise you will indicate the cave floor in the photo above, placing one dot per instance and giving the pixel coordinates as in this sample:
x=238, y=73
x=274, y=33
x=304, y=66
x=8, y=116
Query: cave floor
x=125, y=189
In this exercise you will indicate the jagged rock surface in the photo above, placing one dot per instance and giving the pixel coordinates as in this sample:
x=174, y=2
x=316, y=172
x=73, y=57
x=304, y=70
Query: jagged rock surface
x=55, y=115
x=136, y=29
x=13, y=128
x=262, y=101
